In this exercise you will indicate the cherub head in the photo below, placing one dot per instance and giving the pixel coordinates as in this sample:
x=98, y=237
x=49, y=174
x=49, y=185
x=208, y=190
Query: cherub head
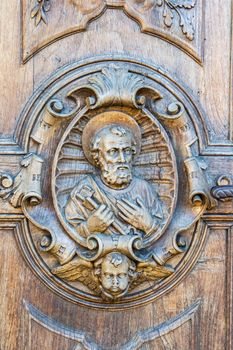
x=115, y=273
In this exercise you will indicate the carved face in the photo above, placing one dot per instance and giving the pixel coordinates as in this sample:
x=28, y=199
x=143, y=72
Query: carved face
x=115, y=274
x=115, y=155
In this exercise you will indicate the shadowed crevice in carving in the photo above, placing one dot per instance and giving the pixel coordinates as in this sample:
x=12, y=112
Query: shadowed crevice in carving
x=222, y=193
x=140, y=338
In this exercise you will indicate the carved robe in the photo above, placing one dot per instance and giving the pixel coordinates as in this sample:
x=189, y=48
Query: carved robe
x=78, y=207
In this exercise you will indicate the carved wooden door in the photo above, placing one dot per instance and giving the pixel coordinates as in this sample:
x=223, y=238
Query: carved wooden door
x=116, y=173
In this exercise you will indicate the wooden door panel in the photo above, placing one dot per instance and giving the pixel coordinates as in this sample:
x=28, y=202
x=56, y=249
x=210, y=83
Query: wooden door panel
x=186, y=52
x=210, y=270
x=193, y=76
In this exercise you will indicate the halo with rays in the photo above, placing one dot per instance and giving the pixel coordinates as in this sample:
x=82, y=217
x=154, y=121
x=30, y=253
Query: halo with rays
x=155, y=163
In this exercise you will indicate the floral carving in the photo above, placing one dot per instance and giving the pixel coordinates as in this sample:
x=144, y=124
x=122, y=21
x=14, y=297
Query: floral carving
x=39, y=11
x=135, y=8
x=171, y=8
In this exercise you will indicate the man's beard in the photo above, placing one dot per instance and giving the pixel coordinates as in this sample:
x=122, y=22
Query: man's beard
x=116, y=175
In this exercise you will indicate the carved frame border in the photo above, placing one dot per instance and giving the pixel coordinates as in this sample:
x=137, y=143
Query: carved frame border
x=18, y=223
x=26, y=126
x=17, y=146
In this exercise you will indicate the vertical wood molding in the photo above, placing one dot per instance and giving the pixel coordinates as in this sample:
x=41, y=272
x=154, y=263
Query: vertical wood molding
x=231, y=78
x=229, y=277
x=225, y=222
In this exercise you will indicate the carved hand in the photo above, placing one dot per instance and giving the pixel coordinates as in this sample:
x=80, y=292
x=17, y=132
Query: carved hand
x=136, y=215
x=100, y=220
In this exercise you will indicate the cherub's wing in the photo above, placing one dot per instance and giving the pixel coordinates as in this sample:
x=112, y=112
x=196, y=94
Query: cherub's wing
x=78, y=270
x=150, y=271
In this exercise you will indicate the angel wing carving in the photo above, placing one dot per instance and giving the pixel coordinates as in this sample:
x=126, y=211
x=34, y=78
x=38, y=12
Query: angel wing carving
x=150, y=271
x=79, y=270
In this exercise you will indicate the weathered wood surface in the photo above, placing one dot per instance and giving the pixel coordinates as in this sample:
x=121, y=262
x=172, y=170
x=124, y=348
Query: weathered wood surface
x=210, y=280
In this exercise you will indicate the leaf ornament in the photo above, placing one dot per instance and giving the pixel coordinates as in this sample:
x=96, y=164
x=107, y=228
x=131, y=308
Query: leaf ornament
x=176, y=6
x=187, y=27
x=39, y=11
x=188, y=4
x=170, y=10
x=168, y=16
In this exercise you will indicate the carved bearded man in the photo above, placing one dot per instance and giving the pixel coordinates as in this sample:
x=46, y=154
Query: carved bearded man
x=113, y=201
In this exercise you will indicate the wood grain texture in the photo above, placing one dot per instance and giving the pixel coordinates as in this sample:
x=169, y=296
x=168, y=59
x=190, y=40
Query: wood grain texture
x=211, y=271
x=231, y=78
x=209, y=85
x=107, y=80
x=139, y=339
x=16, y=81
x=181, y=25
x=111, y=37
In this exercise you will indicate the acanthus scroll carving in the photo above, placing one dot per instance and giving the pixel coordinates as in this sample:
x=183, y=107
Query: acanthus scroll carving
x=171, y=7
x=127, y=185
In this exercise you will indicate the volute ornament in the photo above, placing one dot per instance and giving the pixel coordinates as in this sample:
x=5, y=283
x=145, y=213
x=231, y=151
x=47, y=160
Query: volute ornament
x=114, y=207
